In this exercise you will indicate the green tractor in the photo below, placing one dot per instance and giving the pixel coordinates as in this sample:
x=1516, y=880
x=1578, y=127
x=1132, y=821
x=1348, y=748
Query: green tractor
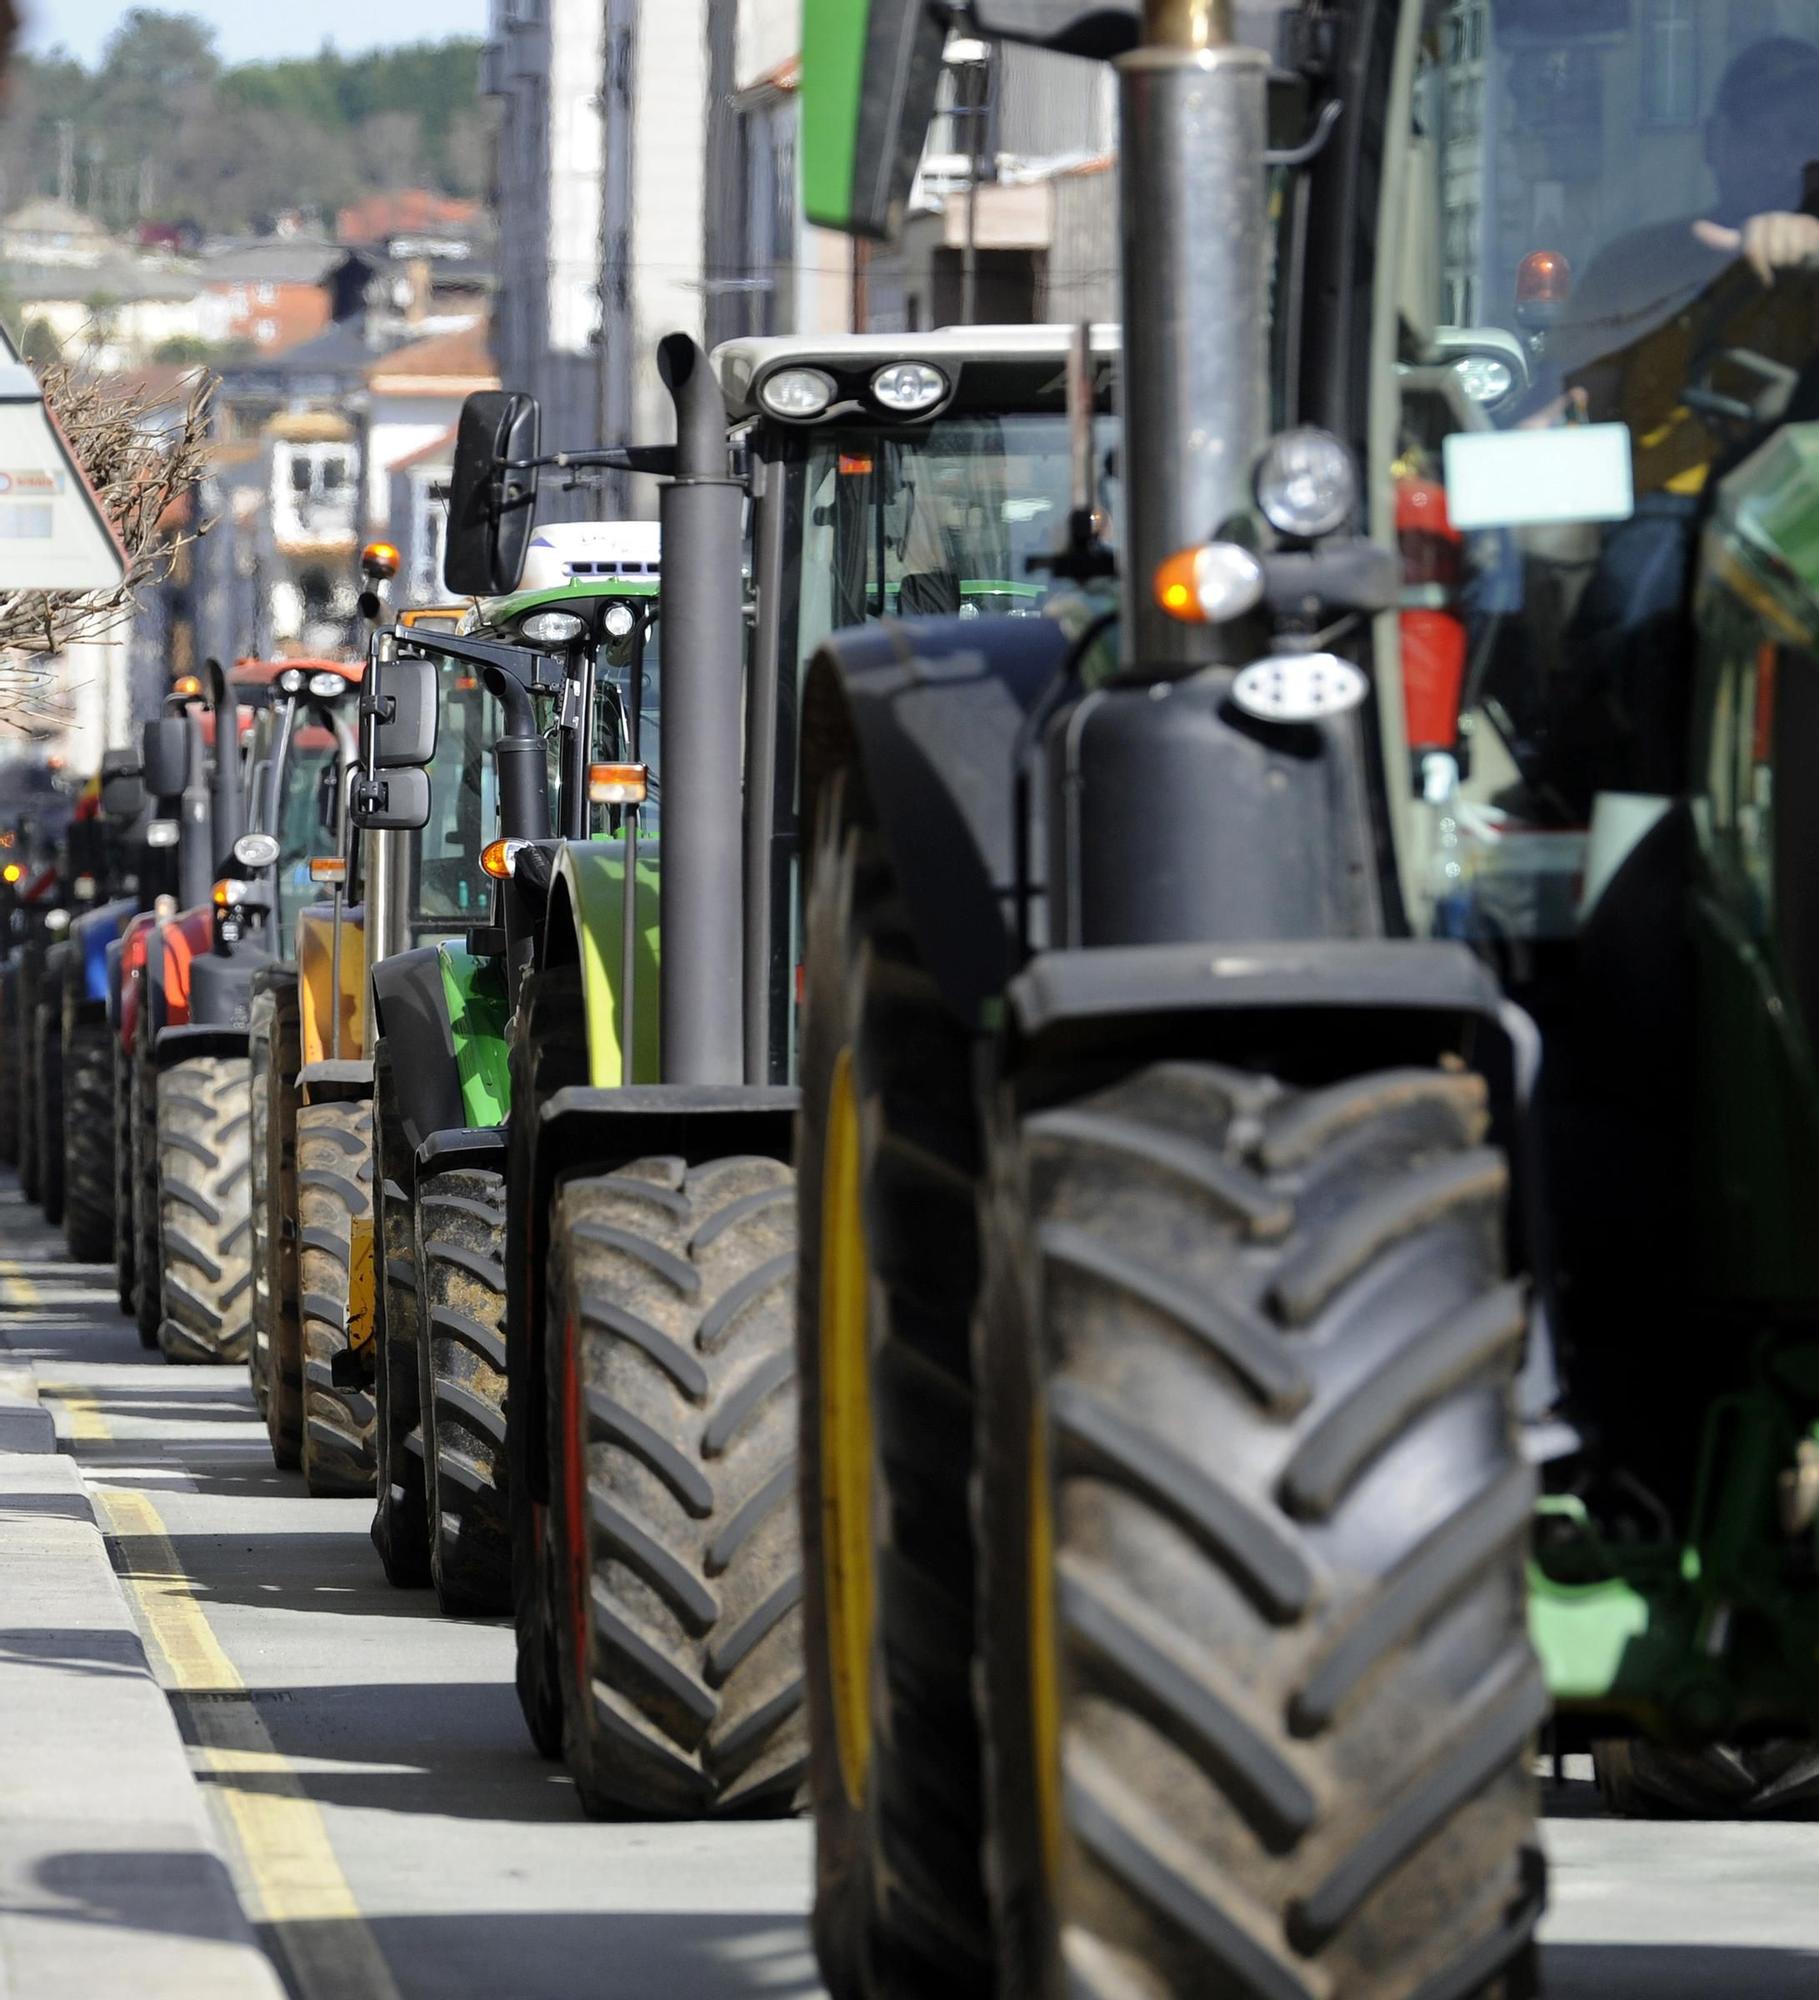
x=647, y=1250
x=1309, y=1122
x=520, y=698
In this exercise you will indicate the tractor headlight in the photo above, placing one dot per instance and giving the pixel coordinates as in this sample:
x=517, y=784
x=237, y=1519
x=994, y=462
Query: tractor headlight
x=293, y=680
x=327, y=686
x=1306, y=484
x=257, y=851
x=1484, y=378
x=163, y=833
x=797, y=394
x=908, y=388
x=620, y=621
x=553, y=628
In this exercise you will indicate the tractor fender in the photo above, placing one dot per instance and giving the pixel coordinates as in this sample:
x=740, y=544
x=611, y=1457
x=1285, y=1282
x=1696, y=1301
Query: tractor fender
x=93, y=934
x=410, y=1008
x=221, y=988
x=129, y=994
x=349, y=1082
x=176, y=943
x=585, y=924
x=931, y=715
x=192, y=1040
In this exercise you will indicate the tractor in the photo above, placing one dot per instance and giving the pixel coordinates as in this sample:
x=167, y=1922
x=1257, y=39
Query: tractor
x=1308, y=1120
x=648, y=1243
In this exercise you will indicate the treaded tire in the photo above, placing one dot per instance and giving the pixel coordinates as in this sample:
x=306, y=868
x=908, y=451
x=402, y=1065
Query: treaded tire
x=11, y=1049
x=25, y=1027
x=148, y=1256
x=670, y=1309
x=47, y=1059
x=1265, y=1336
x=334, y=1196
x=400, y=1520
x=461, y=1384
x=1642, y=1780
x=126, y=1254
x=276, y=1359
x=900, y=1905
x=88, y=1139
x=203, y=1168
x=546, y=1051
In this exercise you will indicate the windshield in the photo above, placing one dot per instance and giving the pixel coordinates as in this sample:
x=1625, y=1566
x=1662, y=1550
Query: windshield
x=938, y=523
x=633, y=662
x=452, y=887
x=305, y=820
x=1608, y=299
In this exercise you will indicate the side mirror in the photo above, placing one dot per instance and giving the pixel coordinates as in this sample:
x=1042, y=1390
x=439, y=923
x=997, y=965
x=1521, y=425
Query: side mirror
x=397, y=801
x=165, y=756
x=122, y=787
x=490, y=508
x=402, y=703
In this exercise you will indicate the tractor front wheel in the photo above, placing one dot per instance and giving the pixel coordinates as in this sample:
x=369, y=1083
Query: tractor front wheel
x=148, y=1276
x=400, y=1522
x=461, y=1388
x=1259, y=1702
x=1642, y=1780
x=277, y=1355
x=673, y=1402
x=126, y=1245
x=88, y=1137
x=334, y=1279
x=201, y=1164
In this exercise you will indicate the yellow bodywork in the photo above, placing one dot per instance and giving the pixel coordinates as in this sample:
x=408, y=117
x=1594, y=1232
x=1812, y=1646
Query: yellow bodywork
x=316, y=983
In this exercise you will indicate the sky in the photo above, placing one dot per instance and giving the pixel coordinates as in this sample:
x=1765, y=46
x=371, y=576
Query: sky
x=248, y=29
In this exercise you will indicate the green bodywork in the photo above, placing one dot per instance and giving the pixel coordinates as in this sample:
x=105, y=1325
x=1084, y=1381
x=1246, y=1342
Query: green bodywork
x=1719, y=1634
x=870, y=71
x=474, y=989
x=594, y=872
x=503, y=612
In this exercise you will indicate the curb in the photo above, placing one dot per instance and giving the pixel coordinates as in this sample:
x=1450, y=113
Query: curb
x=112, y=1880
x=25, y=1424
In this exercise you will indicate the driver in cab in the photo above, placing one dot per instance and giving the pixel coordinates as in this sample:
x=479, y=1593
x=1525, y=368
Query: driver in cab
x=1660, y=306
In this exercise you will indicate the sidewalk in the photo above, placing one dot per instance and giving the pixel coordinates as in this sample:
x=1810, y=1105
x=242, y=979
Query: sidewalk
x=111, y=1881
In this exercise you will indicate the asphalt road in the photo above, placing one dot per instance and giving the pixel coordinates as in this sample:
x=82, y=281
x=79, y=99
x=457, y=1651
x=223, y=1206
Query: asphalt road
x=394, y=1837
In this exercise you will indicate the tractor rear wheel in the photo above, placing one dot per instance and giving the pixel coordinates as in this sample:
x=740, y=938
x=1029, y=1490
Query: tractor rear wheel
x=126, y=1244
x=461, y=1389
x=11, y=1066
x=47, y=1090
x=277, y=1354
x=1259, y=1699
x=400, y=1521
x=202, y=1168
x=674, y=1517
x=88, y=1138
x=148, y=1286
x=334, y=1280
x=889, y=1273
x=1642, y=1780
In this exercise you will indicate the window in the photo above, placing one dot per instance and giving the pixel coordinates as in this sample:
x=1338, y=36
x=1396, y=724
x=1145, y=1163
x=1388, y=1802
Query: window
x=1670, y=62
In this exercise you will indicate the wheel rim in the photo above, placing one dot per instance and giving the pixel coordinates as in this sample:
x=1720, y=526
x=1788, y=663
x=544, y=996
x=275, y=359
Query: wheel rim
x=846, y=1435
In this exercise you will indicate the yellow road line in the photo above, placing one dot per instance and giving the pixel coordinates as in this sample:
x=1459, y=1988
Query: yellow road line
x=297, y=1883
x=17, y=1292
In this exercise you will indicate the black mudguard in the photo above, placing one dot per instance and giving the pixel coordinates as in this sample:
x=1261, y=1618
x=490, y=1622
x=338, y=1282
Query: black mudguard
x=932, y=715
x=410, y=1010
x=221, y=988
x=584, y=1131
x=186, y=1044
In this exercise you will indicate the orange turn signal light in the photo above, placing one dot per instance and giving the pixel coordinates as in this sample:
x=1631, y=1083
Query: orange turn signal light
x=12, y=871
x=380, y=559
x=618, y=784
x=227, y=893
x=327, y=868
x=500, y=857
x=188, y=686
x=1211, y=584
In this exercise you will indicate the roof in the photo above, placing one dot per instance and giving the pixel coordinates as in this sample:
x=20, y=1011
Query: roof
x=47, y=216
x=341, y=349
x=445, y=364
x=278, y=260
x=404, y=212
x=115, y=277
x=741, y=363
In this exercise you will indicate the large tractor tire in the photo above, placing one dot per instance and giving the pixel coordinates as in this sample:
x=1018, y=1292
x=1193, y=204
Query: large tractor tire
x=673, y=1399
x=1642, y=1780
x=47, y=1060
x=1259, y=1700
x=126, y=1242
x=203, y=1164
x=334, y=1234
x=12, y=1065
x=148, y=1251
x=889, y=1273
x=400, y=1520
x=461, y=1389
x=31, y=1166
x=547, y=1052
x=276, y=1358
x=88, y=1142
